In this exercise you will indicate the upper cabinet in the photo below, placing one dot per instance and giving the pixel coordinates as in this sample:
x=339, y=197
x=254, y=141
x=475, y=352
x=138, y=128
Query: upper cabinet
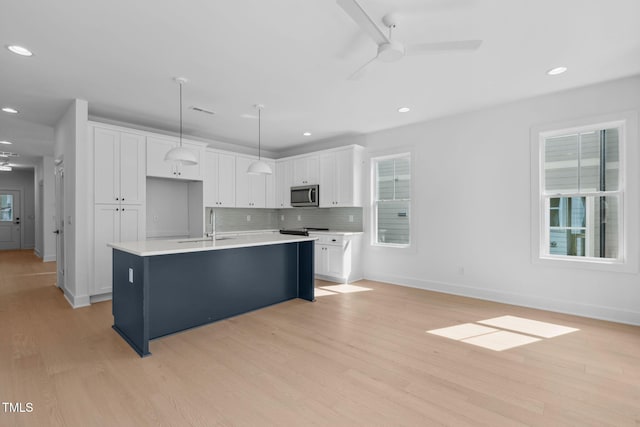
x=250, y=189
x=157, y=166
x=306, y=170
x=119, y=166
x=341, y=177
x=284, y=181
x=219, y=179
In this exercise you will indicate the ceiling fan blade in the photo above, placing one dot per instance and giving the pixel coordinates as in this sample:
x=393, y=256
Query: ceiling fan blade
x=360, y=71
x=357, y=13
x=459, y=45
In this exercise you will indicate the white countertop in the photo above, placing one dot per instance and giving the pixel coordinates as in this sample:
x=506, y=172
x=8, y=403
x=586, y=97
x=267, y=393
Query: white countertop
x=178, y=246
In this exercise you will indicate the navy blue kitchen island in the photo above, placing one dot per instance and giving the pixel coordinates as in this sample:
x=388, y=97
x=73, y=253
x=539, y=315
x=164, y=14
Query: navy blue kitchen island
x=163, y=287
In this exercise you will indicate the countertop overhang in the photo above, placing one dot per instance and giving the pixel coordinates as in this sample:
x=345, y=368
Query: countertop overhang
x=177, y=246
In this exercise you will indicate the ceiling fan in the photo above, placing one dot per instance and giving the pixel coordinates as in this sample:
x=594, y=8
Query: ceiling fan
x=390, y=50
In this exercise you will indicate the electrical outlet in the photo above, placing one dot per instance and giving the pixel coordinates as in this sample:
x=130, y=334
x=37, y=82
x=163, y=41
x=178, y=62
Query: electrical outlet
x=350, y=218
x=281, y=217
x=248, y=218
x=299, y=217
x=155, y=218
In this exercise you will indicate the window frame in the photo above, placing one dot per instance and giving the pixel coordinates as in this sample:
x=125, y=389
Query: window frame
x=627, y=260
x=374, y=160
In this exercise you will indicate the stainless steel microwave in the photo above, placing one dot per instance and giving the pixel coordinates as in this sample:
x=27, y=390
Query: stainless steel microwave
x=305, y=195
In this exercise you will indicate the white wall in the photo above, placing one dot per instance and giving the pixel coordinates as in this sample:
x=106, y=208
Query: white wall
x=472, y=208
x=23, y=180
x=72, y=146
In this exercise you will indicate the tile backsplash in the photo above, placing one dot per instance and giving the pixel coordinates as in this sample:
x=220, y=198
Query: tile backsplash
x=239, y=219
x=343, y=219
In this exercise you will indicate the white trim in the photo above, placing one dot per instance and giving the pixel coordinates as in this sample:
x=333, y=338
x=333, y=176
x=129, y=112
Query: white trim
x=629, y=186
x=548, y=304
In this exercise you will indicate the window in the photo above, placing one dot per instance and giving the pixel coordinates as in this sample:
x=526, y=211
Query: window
x=392, y=200
x=581, y=193
x=6, y=207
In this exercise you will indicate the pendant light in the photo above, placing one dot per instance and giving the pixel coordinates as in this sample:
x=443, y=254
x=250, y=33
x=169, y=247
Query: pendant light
x=181, y=154
x=259, y=167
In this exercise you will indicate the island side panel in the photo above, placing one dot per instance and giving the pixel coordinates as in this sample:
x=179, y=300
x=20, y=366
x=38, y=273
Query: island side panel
x=128, y=305
x=306, y=272
x=192, y=289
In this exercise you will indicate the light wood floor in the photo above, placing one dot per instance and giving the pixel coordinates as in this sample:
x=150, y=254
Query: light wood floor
x=360, y=359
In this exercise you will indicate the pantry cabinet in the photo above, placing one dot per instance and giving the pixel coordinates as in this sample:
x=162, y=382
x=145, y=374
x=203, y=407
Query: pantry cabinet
x=118, y=166
x=113, y=223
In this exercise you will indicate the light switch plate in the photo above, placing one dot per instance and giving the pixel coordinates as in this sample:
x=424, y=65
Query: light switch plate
x=130, y=275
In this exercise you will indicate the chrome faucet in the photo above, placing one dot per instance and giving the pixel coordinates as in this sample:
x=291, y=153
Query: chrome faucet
x=212, y=221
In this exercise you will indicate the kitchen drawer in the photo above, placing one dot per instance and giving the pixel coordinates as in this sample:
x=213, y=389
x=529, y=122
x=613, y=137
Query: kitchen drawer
x=329, y=239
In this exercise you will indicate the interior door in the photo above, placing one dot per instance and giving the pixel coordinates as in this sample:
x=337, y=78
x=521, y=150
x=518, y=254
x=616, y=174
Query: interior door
x=10, y=219
x=59, y=174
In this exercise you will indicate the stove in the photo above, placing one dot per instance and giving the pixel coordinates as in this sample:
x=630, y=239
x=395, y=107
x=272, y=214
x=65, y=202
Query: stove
x=304, y=231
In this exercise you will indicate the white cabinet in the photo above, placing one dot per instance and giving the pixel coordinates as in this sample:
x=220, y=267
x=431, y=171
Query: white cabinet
x=306, y=170
x=270, y=184
x=219, y=179
x=341, y=178
x=113, y=223
x=119, y=166
x=250, y=189
x=284, y=181
x=337, y=257
x=157, y=166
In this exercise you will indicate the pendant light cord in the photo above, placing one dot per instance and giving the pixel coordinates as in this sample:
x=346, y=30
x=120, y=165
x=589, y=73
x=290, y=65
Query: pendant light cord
x=259, y=131
x=181, y=115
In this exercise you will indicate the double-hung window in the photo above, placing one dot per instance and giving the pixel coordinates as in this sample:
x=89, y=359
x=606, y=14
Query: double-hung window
x=392, y=200
x=582, y=194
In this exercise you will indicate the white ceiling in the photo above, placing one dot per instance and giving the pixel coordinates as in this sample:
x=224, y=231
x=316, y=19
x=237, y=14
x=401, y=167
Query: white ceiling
x=294, y=56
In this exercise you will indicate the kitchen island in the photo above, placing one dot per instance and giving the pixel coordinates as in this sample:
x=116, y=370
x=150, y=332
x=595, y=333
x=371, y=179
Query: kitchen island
x=165, y=286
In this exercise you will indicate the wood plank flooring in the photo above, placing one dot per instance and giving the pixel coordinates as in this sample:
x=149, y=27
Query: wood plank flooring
x=356, y=359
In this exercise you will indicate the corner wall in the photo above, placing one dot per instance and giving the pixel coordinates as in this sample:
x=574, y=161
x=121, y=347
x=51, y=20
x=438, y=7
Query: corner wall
x=472, y=208
x=71, y=146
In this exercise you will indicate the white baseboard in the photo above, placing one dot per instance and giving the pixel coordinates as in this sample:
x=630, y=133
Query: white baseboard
x=100, y=298
x=560, y=306
x=76, y=302
x=49, y=258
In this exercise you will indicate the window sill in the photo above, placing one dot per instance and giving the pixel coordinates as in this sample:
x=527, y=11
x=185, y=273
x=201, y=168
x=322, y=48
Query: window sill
x=610, y=265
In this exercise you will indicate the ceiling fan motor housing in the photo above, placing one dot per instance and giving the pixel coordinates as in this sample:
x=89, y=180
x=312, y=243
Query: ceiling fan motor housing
x=390, y=52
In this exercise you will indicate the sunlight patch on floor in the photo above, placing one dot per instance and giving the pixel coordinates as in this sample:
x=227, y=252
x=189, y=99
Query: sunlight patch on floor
x=528, y=326
x=318, y=292
x=502, y=338
x=460, y=332
x=345, y=289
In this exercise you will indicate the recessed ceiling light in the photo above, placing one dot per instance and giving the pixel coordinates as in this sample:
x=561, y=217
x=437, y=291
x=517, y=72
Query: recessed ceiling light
x=6, y=142
x=20, y=50
x=556, y=71
x=307, y=134
x=9, y=110
x=404, y=109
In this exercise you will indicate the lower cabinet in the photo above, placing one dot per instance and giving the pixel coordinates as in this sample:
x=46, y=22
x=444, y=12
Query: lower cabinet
x=113, y=223
x=336, y=257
